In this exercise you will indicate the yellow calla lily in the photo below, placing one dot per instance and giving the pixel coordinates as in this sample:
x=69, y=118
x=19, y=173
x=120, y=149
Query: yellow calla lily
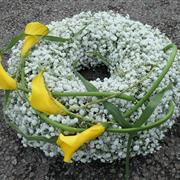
x=70, y=144
x=35, y=29
x=32, y=31
x=41, y=100
x=29, y=42
x=6, y=81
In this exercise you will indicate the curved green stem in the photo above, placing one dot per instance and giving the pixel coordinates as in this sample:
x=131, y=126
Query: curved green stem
x=57, y=124
x=19, y=87
x=22, y=65
x=18, y=72
x=113, y=130
x=157, y=82
x=98, y=101
x=22, y=73
x=81, y=118
x=97, y=94
x=51, y=140
x=147, y=127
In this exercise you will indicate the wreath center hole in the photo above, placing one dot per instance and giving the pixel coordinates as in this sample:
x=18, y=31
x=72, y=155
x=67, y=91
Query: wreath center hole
x=92, y=73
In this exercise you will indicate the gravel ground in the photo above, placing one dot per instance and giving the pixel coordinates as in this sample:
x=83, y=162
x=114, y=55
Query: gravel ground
x=19, y=163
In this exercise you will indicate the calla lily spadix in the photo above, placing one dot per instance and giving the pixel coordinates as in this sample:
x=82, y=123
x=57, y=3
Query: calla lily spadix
x=41, y=100
x=6, y=81
x=70, y=144
x=32, y=31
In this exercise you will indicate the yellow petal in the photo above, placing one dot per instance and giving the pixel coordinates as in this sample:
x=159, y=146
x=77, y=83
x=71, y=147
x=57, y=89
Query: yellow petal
x=6, y=81
x=41, y=100
x=29, y=42
x=70, y=144
x=33, y=30
x=36, y=28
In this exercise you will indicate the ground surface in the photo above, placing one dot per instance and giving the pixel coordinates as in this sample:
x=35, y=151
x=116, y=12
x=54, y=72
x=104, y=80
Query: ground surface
x=18, y=163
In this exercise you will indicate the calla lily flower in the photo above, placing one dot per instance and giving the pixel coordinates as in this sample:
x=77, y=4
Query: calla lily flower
x=6, y=81
x=32, y=31
x=41, y=100
x=70, y=144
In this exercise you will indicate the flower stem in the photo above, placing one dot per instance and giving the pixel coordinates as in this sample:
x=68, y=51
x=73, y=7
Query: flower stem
x=127, y=169
x=81, y=118
x=57, y=124
x=157, y=123
x=157, y=82
x=51, y=140
x=19, y=87
x=97, y=94
x=23, y=80
x=22, y=65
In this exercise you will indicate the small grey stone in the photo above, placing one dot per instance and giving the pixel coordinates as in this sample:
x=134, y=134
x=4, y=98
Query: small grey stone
x=14, y=161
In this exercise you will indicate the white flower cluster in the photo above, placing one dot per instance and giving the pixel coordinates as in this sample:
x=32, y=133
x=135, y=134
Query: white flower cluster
x=132, y=49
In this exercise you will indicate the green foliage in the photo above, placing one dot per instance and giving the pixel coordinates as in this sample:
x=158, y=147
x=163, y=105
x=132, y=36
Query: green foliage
x=56, y=39
x=51, y=140
x=153, y=103
x=14, y=41
x=112, y=109
x=6, y=99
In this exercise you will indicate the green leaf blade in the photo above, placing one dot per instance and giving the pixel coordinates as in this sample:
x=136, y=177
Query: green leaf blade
x=89, y=87
x=155, y=124
x=6, y=99
x=153, y=103
x=14, y=41
x=112, y=109
x=117, y=115
x=56, y=39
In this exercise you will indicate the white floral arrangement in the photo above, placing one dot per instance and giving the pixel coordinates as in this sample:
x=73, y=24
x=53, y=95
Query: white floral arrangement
x=118, y=112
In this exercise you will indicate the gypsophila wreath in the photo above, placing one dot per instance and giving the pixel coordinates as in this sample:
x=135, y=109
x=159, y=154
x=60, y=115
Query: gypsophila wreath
x=53, y=107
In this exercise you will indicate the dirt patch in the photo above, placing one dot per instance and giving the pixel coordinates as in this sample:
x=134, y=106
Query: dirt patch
x=17, y=162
